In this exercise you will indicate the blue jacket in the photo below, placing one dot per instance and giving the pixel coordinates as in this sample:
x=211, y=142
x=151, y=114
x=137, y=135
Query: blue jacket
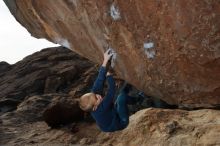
x=105, y=115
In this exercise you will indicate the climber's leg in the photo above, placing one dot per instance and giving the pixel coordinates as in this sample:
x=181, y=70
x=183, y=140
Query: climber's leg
x=125, y=90
x=122, y=109
x=132, y=100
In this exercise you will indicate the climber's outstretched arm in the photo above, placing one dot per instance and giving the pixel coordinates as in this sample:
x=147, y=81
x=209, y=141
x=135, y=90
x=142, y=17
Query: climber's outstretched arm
x=99, y=82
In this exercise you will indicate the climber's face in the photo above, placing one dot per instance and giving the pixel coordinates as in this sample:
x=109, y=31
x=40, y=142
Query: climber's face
x=97, y=101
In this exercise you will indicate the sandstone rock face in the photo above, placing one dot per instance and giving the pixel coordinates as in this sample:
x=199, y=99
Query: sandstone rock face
x=42, y=89
x=61, y=111
x=147, y=127
x=167, y=127
x=44, y=86
x=29, y=108
x=169, y=49
x=52, y=70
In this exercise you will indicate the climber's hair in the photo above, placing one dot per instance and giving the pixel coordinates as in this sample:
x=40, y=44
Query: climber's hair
x=85, y=102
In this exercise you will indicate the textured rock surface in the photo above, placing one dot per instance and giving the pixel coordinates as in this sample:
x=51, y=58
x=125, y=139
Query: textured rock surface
x=61, y=111
x=147, y=127
x=167, y=127
x=42, y=87
x=22, y=117
x=169, y=49
x=52, y=70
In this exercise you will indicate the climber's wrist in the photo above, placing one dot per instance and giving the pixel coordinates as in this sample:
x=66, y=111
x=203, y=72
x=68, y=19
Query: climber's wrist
x=104, y=64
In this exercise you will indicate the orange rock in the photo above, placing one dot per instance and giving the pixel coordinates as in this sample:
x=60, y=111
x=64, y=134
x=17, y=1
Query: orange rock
x=185, y=33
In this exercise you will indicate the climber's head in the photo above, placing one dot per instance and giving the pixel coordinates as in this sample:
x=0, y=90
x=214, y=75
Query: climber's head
x=90, y=101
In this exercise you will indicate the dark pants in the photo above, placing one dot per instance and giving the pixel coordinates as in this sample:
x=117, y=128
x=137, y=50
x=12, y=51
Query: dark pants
x=122, y=108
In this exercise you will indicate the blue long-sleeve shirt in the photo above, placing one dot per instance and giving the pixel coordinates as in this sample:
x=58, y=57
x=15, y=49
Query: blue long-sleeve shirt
x=105, y=115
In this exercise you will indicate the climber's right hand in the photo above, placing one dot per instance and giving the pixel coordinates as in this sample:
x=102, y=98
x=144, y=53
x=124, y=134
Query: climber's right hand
x=107, y=56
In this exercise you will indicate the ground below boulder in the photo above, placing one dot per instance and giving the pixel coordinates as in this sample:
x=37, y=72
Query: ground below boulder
x=147, y=127
x=168, y=127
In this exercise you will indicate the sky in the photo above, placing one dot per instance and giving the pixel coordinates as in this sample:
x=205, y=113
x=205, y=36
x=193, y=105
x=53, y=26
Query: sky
x=15, y=41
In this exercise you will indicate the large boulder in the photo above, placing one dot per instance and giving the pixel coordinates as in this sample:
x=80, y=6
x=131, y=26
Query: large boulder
x=55, y=109
x=169, y=49
x=61, y=111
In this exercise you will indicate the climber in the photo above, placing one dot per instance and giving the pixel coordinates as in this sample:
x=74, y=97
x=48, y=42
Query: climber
x=109, y=117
